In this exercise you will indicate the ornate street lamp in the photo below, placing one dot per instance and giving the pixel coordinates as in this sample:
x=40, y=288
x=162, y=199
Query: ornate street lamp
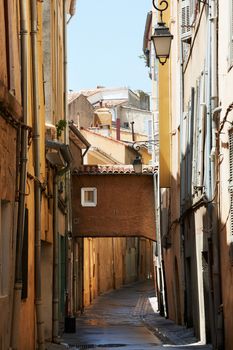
x=162, y=37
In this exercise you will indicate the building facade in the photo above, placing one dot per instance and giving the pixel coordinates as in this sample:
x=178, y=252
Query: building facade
x=32, y=94
x=194, y=203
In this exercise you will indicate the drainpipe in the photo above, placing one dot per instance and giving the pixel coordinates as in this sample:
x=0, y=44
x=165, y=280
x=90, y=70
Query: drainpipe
x=113, y=264
x=67, y=176
x=67, y=157
x=118, y=129
x=218, y=340
x=182, y=194
x=65, y=70
x=55, y=326
x=75, y=276
x=22, y=180
x=37, y=188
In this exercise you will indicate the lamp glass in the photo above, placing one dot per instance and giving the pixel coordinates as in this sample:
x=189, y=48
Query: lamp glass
x=137, y=165
x=162, y=45
x=162, y=40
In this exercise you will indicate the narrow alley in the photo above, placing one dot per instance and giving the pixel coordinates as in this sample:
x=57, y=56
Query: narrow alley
x=127, y=318
x=116, y=174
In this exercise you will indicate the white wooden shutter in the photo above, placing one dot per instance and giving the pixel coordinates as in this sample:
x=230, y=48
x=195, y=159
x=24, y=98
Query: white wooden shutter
x=185, y=21
x=231, y=156
x=231, y=178
x=195, y=157
x=193, y=5
x=231, y=33
x=150, y=137
x=201, y=130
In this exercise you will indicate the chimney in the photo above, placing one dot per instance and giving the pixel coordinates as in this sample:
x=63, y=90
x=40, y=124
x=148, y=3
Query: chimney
x=118, y=129
x=133, y=135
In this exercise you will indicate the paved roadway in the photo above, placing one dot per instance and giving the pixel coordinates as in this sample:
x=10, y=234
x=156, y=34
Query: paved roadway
x=126, y=319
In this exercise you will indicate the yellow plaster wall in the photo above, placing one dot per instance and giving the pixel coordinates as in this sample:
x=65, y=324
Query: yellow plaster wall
x=111, y=147
x=95, y=158
x=111, y=262
x=27, y=324
x=27, y=312
x=164, y=119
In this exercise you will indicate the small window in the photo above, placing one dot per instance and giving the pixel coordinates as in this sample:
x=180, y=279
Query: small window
x=89, y=197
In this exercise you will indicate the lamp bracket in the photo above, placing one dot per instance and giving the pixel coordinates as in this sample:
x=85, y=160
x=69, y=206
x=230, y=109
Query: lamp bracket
x=164, y=5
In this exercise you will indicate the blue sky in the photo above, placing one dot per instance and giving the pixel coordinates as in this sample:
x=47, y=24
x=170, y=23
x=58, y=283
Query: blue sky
x=105, y=38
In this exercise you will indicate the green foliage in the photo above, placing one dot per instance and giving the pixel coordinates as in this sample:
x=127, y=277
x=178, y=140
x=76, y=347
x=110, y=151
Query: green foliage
x=60, y=126
x=143, y=57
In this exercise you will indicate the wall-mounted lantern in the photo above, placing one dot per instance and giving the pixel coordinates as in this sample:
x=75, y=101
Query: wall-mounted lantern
x=137, y=165
x=162, y=37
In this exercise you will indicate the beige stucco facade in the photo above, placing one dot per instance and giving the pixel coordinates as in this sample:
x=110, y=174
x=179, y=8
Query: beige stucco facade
x=196, y=211
x=225, y=76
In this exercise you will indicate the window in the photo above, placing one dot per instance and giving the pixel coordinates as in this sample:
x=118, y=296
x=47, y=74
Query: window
x=89, y=197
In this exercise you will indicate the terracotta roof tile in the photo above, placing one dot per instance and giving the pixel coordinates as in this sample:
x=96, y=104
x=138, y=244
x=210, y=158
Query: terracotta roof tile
x=113, y=170
x=72, y=96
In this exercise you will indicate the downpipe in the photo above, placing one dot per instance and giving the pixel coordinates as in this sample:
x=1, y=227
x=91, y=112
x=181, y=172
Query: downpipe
x=69, y=243
x=55, y=325
x=218, y=340
x=14, y=341
x=55, y=311
x=37, y=187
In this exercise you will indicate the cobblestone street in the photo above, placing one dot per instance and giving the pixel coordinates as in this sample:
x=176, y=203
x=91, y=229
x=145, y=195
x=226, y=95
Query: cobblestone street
x=127, y=319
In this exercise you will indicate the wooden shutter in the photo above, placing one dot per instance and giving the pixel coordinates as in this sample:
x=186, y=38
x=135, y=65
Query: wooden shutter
x=193, y=10
x=150, y=137
x=231, y=33
x=231, y=178
x=195, y=157
x=185, y=21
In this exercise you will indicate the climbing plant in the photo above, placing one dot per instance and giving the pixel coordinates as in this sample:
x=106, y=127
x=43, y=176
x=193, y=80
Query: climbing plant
x=60, y=126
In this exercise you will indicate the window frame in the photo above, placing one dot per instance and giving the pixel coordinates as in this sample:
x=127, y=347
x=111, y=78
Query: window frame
x=84, y=203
